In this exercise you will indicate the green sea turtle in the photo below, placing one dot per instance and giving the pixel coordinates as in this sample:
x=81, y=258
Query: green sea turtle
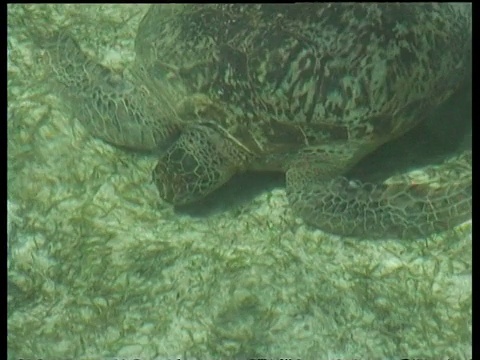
x=307, y=89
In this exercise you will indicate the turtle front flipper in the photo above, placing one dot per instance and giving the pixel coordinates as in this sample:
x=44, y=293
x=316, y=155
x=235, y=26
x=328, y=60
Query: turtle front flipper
x=112, y=106
x=200, y=161
x=404, y=206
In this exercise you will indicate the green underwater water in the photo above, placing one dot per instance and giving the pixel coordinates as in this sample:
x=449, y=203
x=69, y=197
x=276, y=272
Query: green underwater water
x=100, y=268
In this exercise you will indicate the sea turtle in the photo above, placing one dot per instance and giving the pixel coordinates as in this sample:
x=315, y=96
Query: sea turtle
x=307, y=89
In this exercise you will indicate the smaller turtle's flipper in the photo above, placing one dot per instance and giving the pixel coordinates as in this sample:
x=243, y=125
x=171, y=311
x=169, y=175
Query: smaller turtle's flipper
x=402, y=207
x=111, y=107
x=200, y=161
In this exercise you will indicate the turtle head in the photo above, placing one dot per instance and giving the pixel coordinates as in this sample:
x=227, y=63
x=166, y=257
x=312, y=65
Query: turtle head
x=201, y=160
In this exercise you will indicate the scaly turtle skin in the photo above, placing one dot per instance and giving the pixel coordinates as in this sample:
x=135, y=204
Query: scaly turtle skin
x=308, y=89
